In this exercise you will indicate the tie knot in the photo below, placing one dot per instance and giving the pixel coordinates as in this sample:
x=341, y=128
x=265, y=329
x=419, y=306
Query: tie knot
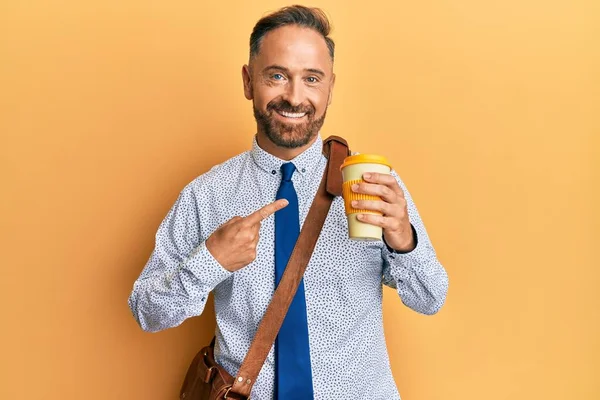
x=287, y=170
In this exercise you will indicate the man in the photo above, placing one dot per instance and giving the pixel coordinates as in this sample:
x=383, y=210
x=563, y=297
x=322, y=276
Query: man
x=221, y=236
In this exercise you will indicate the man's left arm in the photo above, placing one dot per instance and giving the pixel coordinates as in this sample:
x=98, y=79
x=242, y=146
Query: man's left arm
x=410, y=262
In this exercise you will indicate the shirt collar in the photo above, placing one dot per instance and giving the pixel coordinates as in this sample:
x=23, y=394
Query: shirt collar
x=304, y=161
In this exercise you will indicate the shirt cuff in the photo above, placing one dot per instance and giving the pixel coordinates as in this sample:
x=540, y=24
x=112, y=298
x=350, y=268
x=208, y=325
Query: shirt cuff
x=205, y=267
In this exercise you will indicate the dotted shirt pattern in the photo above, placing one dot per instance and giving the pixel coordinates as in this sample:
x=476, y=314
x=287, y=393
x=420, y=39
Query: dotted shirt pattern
x=343, y=280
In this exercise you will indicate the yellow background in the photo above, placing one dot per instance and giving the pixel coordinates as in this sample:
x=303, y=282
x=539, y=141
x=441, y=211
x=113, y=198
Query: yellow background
x=488, y=110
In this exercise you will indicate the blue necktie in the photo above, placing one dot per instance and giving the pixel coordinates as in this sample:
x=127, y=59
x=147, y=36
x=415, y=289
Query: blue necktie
x=293, y=377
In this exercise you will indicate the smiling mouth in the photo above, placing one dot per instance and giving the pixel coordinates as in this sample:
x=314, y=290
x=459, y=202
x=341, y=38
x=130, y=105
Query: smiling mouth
x=291, y=115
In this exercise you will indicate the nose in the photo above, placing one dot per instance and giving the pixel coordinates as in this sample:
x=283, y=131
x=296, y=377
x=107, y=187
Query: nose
x=294, y=93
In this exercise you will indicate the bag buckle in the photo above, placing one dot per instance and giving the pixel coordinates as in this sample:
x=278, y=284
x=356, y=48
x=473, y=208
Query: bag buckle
x=209, y=374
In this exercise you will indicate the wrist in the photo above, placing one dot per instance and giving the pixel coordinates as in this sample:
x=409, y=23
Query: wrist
x=406, y=246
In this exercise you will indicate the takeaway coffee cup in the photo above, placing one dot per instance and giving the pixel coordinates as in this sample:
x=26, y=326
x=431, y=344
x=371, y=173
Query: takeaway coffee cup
x=353, y=169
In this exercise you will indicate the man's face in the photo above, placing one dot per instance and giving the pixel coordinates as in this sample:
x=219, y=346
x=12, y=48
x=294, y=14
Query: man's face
x=289, y=82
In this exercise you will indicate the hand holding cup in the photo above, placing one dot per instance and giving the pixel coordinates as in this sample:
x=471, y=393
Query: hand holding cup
x=375, y=203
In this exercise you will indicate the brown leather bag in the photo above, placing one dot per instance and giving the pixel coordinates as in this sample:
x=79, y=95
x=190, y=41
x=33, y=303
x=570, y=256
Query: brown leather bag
x=207, y=380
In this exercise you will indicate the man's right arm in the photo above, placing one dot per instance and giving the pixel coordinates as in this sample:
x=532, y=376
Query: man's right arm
x=180, y=273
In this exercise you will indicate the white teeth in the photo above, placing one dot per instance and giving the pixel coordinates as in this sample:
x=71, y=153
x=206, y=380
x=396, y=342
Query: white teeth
x=292, y=115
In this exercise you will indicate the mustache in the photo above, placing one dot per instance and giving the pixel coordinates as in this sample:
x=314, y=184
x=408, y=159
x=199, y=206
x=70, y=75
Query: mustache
x=284, y=105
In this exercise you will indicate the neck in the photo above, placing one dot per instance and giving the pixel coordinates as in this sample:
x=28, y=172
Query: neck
x=283, y=153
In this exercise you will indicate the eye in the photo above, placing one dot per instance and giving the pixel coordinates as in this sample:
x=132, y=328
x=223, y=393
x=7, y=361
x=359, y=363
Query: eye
x=312, y=79
x=277, y=77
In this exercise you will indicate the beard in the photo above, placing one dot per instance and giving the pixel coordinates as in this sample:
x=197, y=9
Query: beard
x=288, y=135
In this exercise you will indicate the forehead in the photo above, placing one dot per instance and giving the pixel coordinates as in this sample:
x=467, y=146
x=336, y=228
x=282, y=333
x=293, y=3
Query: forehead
x=294, y=47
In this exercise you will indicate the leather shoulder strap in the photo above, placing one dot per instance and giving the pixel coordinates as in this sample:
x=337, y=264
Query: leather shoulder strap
x=335, y=149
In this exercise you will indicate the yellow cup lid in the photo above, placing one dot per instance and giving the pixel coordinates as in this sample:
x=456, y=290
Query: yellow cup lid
x=365, y=159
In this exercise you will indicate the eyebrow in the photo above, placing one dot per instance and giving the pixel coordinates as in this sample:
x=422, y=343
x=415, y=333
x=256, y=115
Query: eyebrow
x=283, y=69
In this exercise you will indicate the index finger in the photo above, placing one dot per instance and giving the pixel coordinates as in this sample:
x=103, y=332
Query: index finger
x=384, y=179
x=266, y=211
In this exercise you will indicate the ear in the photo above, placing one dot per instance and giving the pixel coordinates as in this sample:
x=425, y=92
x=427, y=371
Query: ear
x=331, y=89
x=247, y=79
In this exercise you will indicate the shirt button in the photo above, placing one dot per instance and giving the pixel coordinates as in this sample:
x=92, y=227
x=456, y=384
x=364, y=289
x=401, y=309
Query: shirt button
x=303, y=169
x=273, y=172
